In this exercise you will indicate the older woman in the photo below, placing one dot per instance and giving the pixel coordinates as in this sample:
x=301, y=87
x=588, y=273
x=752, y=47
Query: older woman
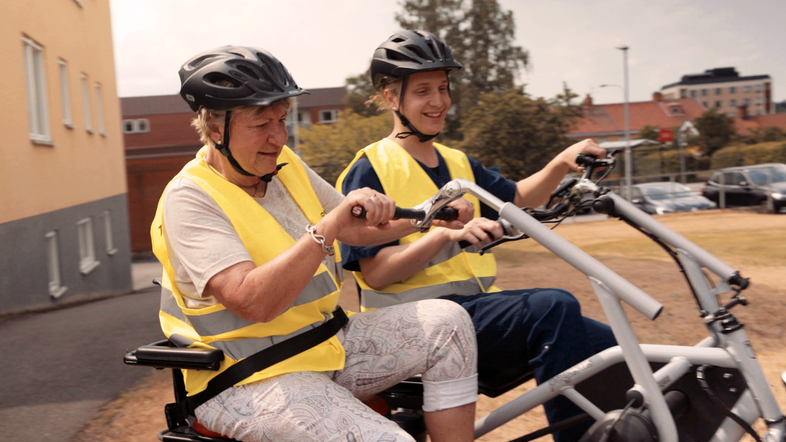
x=518, y=331
x=246, y=233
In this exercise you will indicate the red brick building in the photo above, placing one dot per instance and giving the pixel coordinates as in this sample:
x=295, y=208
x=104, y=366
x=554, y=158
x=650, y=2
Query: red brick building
x=159, y=141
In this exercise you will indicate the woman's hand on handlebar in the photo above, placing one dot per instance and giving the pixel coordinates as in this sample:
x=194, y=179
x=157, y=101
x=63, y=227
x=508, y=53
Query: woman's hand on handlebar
x=478, y=232
x=379, y=209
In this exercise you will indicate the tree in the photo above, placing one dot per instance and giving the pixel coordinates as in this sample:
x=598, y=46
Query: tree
x=359, y=88
x=716, y=130
x=480, y=35
x=329, y=148
x=517, y=133
x=765, y=134
x=780, y=108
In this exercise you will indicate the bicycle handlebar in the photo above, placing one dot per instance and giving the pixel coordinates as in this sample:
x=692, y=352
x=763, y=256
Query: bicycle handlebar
x=444, y=214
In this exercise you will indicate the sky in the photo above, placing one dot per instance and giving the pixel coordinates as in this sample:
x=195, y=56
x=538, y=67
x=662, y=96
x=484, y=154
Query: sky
x=322, y=42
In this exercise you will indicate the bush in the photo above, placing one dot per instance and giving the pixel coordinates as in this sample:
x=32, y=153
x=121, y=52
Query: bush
x=748, y=155
x=668, y=161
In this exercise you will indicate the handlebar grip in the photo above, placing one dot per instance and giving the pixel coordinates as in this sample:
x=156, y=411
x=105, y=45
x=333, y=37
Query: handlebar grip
x=409, y=213
x=446, y=214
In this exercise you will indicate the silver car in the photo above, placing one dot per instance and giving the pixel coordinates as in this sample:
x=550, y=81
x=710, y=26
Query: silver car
x=667, y=197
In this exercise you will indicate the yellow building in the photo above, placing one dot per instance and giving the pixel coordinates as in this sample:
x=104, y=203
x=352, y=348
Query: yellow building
x=63, y=205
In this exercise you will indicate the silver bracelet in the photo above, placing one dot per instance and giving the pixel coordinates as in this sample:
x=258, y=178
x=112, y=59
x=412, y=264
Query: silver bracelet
x=312, y=229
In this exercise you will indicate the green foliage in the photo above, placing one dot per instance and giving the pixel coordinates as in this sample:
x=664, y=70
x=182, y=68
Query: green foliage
x=480, y=35
x=716, y=130
x=359, y=89
x=764, y=134
x=517, y=133
x=747, y=155
x=780, y=108
x=329, y=148
x=663, y=161
x=648, y=133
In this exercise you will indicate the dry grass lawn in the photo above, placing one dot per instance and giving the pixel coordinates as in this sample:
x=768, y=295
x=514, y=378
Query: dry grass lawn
x=755, y=244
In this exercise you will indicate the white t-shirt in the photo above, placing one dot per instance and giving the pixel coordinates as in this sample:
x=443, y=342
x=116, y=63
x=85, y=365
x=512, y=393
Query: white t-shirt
x=202, y=241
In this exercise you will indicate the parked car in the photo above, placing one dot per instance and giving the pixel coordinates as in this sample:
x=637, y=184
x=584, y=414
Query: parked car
x=749, y=186
x=667, y=197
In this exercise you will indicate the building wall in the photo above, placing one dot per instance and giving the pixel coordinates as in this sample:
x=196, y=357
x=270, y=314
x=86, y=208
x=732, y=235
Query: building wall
x=164, y=130
x=712, y=94
x=72, y=168
x=25, y=262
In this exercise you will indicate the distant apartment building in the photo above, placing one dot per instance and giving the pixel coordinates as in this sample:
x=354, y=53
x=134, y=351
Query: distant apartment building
x=159, y=141
x=64, y=216
x=725, y=90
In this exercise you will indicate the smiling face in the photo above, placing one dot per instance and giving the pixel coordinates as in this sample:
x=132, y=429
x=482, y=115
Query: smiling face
x=426, y=101
x=256, y=139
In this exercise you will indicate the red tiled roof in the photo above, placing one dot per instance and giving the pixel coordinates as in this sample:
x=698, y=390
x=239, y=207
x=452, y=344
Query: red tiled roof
x=610, y=118
x=743, y=126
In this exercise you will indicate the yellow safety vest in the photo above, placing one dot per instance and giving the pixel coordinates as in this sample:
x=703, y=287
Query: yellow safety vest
x=453, y=270
x=264, y=238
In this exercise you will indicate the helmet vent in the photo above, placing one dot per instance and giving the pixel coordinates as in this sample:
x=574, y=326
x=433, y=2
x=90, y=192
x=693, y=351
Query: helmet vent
x=248, y=71
x=198, y=61
x=221, y=80
x=419, y=52
x=398, y=40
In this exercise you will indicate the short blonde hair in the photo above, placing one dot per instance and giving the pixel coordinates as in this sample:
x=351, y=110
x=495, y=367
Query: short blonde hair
x=386, y=83
x=207, y=119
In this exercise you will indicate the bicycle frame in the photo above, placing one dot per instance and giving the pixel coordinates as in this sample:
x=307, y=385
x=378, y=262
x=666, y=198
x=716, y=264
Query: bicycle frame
x=723, y=348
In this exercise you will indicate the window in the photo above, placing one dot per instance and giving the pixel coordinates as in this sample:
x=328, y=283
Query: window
x=328, y=116
x=704, y=92
x=732, y=90
x=53, y=254
x=87, y=256
x=693, y=94
x=110, y=244
x=717, y=91
x=732, y=114
x=759, y=102
x=718, y=103
x=732, y=102
x=137, y=126
x=675, y=110
x=705, y=104
x=65, y=93
x=86, y=104
x=100, y=110
x=746, y=101
x=35, y=82
x=746, y=89
x=758, y=87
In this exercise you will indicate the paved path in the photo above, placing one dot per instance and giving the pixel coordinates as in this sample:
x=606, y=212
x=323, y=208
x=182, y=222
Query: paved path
x=57, y=368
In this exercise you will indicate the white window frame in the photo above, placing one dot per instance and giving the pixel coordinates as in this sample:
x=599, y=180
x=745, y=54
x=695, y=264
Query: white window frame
x=35, y=83
x=86, y=103
x=110, y=244
x=136, y=126
x=759, y=87
x=87, y=253
x=732, y=102
x=759, y=102
x=746, y=89
x=732, y=89
x=100, y=109
x=56, y=289
x=65, y=94
x=333, y=114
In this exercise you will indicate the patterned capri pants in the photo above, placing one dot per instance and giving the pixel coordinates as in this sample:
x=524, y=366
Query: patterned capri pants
x=434, y=338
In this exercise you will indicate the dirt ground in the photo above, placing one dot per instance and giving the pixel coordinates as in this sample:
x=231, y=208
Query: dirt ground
x=754, y=244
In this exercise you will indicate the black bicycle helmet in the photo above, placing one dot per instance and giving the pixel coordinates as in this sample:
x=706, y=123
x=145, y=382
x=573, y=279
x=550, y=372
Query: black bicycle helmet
x=258, y=77
x=408, y=52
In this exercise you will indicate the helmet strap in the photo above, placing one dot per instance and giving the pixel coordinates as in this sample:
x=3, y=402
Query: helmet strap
x=405, y=121
x=224, y=148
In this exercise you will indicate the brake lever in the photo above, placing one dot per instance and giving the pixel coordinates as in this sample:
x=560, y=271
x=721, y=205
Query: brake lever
x=447, y=194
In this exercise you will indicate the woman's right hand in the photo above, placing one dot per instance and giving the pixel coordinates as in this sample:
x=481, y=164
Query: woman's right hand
x=478, y=232
x=380, y=209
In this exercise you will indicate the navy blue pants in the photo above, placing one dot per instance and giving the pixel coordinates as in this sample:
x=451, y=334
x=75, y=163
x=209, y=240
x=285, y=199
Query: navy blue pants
x=538, y=330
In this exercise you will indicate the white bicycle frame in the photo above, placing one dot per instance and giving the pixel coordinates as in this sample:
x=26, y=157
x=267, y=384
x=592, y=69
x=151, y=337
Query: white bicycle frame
x=730, y=349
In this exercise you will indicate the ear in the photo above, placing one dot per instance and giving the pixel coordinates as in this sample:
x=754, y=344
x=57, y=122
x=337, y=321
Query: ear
x=391, y=99
x=216, y=130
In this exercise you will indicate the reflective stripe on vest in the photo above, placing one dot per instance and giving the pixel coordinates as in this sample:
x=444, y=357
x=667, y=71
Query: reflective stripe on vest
x=452, y=271
x=264, y=238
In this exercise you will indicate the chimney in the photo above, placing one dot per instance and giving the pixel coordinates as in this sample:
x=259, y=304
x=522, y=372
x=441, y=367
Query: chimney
x=657, y=96
x=587, y=101
x=742, y=112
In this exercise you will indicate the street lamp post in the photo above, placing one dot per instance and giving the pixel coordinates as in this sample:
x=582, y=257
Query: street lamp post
x=628, y=156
